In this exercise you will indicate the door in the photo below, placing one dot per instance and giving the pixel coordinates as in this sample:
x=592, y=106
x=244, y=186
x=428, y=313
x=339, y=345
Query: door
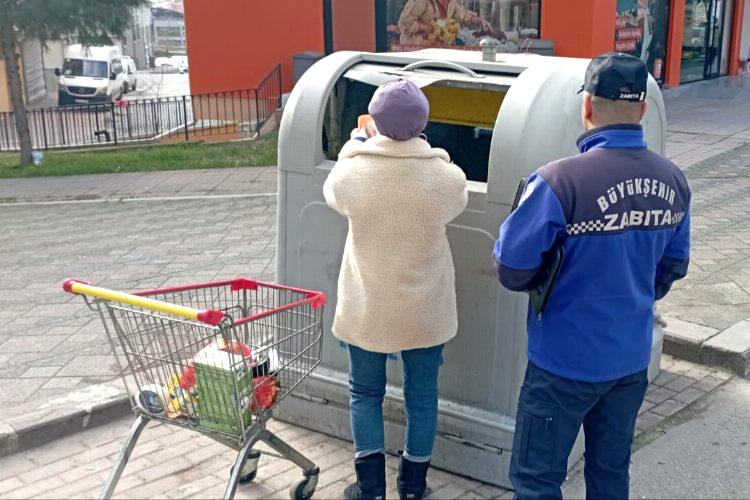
x=714, y=37
x=705, y=46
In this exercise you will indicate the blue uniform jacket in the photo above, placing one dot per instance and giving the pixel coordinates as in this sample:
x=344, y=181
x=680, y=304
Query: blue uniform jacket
x=622, y=213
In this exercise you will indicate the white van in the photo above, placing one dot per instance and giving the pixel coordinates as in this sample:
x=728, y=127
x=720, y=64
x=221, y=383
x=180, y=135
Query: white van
x=131, y=81
x=90, y=74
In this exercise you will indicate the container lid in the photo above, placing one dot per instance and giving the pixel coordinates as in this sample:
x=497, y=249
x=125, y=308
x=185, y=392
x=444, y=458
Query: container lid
x=378, y=74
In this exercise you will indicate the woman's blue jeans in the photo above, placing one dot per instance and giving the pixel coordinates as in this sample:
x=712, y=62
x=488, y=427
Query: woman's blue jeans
x=367, y=389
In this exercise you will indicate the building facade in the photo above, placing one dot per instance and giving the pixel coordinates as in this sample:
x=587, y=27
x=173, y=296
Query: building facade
x=681, y=41
x=137, y=42
x=168, y=32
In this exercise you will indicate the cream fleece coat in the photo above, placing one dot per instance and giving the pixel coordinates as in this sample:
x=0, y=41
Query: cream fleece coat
x=396, y=288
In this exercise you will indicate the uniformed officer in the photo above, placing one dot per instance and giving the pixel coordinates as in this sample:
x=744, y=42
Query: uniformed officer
x=622, y=215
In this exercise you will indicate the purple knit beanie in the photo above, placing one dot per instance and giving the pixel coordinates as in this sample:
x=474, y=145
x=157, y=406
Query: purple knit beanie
x=400, y=110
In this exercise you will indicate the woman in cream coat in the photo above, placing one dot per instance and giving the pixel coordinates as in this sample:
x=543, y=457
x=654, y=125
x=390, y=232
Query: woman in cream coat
x=396, y=290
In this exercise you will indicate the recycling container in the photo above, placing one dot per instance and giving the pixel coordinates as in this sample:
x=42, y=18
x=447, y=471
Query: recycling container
x=499, y=121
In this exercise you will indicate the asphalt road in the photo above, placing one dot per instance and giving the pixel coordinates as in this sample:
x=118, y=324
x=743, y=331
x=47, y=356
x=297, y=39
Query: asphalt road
x=704, y=454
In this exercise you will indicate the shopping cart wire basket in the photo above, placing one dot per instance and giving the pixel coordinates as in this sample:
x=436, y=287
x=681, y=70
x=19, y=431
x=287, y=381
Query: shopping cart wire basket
x=215, y=358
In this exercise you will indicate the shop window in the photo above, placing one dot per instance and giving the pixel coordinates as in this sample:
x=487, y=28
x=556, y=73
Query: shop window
x=642, y=31
x=706, y=39
x=459, y=24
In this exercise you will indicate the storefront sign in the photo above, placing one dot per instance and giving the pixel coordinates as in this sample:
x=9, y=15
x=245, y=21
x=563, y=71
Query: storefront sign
x=641, y=30
x=459, y=24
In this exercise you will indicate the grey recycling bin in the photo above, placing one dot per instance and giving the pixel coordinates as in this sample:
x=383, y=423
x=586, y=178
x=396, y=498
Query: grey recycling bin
x=499, y=121
x=303, y=61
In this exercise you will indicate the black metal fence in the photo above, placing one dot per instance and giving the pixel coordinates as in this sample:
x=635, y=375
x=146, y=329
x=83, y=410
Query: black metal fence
x=212, y=116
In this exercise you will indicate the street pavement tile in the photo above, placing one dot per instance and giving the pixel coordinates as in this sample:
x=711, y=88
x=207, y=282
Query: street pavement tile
x=658, y=395
x=689, y=395
x=668, y=407
x=19, y=389
x=680, y=383
x=709, y=383
x=647, y=420
x=645, y=406
x=27, y=344
x=62, y=382
x=90, y=366
x=41, y=372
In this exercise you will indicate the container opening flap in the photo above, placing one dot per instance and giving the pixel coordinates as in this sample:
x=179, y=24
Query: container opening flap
x=423, y=74
x=379, y=76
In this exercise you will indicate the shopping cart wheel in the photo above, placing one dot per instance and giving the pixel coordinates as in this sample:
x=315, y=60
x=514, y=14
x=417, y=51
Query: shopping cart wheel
x=304, y=488
x=250, y=469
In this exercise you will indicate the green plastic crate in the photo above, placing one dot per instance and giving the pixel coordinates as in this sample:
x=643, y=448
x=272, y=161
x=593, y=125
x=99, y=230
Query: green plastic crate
x=216, y=406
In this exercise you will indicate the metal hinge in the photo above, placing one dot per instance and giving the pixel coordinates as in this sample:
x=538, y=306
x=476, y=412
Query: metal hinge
x=473, y=444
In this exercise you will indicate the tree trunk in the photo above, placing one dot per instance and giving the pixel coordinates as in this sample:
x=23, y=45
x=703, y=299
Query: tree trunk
x=8, y=43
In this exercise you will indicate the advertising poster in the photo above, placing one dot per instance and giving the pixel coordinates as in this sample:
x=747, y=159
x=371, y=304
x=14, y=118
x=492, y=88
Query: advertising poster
x=641, y=30
x=459, y=24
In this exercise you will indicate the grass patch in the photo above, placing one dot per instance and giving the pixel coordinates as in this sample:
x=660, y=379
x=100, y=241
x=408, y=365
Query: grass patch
x=182, y=156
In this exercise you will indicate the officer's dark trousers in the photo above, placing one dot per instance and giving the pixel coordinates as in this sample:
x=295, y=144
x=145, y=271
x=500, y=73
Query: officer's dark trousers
x=551, y=410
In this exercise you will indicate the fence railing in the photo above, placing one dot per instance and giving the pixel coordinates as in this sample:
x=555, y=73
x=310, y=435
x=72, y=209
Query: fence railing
x=211, y=116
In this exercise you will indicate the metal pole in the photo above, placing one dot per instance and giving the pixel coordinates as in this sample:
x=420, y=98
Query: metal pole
x=184, y=114
x=122, y=458
x=44, y=130
x=114, y=123
x=278, y=79
x=257, y=113
x=127, y=121
x=98, y=126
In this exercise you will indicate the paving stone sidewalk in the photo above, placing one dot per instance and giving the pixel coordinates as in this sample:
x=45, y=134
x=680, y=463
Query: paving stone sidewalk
x=169, y=462
x=716, y=292
x=706, y=119
x=709, y=137
x=180, y=183
x=50, y=342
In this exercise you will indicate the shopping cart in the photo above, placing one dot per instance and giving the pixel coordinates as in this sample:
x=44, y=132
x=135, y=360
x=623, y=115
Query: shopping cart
x=215, y=358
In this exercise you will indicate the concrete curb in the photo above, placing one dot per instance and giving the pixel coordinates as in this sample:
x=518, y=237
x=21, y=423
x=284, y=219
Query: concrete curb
x=30, y=426
x=729, y=348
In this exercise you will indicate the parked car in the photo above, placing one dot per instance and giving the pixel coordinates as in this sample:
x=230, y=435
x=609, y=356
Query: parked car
x=131, y=80
x=165, y=64
x=90, y=74
x=181, y=63
x=162, y=63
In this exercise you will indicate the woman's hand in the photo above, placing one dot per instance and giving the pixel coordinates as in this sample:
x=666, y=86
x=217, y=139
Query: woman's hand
x=426, y=28
x=485, y=25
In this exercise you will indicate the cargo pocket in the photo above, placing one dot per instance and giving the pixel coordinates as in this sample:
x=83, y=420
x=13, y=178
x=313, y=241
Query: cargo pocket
x=536, y=433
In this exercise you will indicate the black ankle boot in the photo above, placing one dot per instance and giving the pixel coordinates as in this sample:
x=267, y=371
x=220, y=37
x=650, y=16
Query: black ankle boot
x=370, y=483
x=412, y=479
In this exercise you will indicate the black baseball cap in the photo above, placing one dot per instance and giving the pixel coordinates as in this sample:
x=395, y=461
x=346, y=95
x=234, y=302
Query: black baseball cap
x=616, y=76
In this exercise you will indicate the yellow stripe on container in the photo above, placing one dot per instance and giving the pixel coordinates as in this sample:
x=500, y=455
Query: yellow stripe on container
x=462, y=106
x=135, y=300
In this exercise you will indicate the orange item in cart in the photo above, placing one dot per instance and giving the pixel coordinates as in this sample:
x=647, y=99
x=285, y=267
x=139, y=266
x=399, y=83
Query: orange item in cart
x=266, y=392
x=235, y=348
x=187, y=379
